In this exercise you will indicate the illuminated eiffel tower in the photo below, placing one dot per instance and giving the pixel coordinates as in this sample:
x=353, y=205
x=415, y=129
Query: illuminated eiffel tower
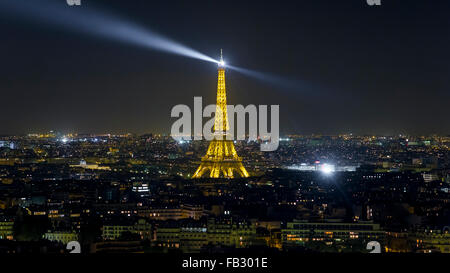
x=221, y=159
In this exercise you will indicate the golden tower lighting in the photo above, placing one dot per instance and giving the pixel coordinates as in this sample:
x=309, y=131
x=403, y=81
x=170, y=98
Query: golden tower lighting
x=221, y=159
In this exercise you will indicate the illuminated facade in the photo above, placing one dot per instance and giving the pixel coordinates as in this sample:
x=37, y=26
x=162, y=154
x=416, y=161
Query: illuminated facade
x=330, y=232
x=221, y=159
x=6, y=228
x=191, y=237
x=113, y=231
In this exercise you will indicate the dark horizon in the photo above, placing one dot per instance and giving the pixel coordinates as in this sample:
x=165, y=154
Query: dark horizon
x=360, y=69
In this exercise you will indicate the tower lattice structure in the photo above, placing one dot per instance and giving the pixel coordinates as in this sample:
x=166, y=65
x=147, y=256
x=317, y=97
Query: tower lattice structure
x=221, y=159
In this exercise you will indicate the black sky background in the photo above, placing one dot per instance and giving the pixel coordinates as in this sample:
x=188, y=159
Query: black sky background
x=360, y=69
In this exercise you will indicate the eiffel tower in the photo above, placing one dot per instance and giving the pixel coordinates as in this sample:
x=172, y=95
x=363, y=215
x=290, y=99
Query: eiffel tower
x=221, y=159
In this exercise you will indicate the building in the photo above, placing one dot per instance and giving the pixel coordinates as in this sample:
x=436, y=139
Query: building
x=83, y=164
x=221, y=159
x=231, y=232
x=115, y=229
x=61, y=236
x=300, y=233
x=6, y=228
x=428, y=177
x=183, y=211
x=191, y=236
x=143, y=229
x=141, y=189
x=431, y=241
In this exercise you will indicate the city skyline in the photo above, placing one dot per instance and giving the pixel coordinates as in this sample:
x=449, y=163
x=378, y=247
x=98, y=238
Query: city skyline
x=236, y=135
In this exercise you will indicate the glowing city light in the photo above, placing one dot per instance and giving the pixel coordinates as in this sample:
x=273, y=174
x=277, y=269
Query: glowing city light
x=327, y=169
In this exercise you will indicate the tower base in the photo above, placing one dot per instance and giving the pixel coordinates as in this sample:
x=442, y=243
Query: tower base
x=220, y=169
x=221, y=160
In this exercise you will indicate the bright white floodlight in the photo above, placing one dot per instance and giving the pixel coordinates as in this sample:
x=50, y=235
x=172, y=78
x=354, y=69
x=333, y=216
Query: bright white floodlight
x=327, y=169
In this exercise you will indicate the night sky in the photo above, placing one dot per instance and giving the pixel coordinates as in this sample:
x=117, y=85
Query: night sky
x=356, y=68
